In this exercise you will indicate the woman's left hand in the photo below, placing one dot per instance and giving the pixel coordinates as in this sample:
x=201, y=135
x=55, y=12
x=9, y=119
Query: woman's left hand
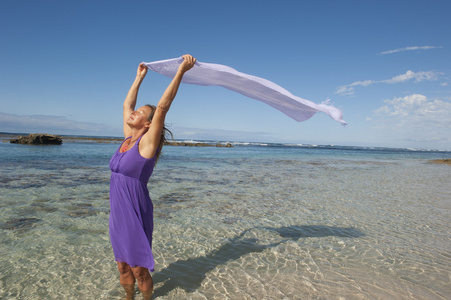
x=142, y=70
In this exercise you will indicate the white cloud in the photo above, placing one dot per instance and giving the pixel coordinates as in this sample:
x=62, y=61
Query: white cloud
x=408, y=105
x=53, y=125
x=409, y=49
x=415, y=118
x=409, y=75
x=62, y=125
x=418, y=76
x=349, y=89
x=418, y=109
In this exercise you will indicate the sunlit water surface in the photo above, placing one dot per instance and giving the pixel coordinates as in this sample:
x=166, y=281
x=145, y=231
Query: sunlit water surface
x=249, y=222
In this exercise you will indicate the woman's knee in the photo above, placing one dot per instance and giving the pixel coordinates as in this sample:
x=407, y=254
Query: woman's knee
x=124, y=268
x=140, y=273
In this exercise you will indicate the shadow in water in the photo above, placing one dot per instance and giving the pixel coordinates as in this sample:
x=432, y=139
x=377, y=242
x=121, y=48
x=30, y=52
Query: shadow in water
x=189, y=274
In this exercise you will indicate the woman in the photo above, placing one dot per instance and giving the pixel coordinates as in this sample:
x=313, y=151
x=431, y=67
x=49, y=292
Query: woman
x=131, y=210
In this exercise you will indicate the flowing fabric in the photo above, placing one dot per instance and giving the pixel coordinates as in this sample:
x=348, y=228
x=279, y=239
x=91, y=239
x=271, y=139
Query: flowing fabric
x=257, y=88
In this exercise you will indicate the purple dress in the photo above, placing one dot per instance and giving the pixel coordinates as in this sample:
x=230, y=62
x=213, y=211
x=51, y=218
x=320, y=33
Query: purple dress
x=131, y=210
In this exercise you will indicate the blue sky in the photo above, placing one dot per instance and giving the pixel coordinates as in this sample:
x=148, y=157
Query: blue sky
x=66, y=66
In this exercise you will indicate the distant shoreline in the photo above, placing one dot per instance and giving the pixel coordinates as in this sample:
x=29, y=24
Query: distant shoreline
x=5, y=137
x=108, y=140
x=118, y=140
x=91, y=139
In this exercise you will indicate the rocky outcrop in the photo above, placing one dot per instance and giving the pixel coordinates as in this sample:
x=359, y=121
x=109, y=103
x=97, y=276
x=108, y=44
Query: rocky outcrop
x=227, y=145
x=38, y=139
x=446, y=161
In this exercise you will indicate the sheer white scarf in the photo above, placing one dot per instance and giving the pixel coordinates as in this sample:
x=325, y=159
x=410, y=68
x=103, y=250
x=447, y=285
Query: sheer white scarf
x=251, y=86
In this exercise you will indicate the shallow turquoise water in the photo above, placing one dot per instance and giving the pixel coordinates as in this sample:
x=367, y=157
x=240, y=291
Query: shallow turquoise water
x=249, y=222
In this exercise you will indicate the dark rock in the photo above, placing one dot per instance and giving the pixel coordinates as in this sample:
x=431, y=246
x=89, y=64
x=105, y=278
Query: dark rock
x=227, y=145
x=173, y=143
x=446, y=161
x=38, y=139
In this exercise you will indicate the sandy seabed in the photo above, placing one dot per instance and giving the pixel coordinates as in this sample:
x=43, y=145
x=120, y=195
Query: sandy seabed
x=248, y=224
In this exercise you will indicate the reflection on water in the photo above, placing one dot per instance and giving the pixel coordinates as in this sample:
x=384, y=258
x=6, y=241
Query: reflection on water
x=189, y=274
x=236, y=223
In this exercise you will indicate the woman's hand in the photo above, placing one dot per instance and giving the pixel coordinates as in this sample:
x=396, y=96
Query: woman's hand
x=188, y=63
x=142, y=70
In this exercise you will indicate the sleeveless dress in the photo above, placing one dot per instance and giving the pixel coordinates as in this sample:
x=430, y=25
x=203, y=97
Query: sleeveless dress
x=131, y=209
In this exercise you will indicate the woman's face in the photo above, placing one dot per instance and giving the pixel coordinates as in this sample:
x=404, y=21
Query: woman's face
x=139, y=118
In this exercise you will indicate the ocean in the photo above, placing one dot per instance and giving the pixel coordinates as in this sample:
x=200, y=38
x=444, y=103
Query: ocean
x=255, y=221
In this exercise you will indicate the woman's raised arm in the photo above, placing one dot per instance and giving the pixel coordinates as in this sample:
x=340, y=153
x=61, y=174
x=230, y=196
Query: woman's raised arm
x=151, y=139
x=132, y=95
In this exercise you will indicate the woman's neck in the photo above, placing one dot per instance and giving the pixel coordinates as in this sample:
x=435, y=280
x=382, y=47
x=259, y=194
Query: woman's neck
x=136, y=133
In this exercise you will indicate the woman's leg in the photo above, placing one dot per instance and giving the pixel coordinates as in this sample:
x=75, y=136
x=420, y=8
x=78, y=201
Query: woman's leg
x=127, y=279
x=145, y=282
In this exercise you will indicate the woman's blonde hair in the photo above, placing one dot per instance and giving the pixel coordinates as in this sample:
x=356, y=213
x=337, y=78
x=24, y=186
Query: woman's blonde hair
x=164, y=133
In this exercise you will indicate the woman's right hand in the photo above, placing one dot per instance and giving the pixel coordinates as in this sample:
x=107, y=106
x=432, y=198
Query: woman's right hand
x=187, y=64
